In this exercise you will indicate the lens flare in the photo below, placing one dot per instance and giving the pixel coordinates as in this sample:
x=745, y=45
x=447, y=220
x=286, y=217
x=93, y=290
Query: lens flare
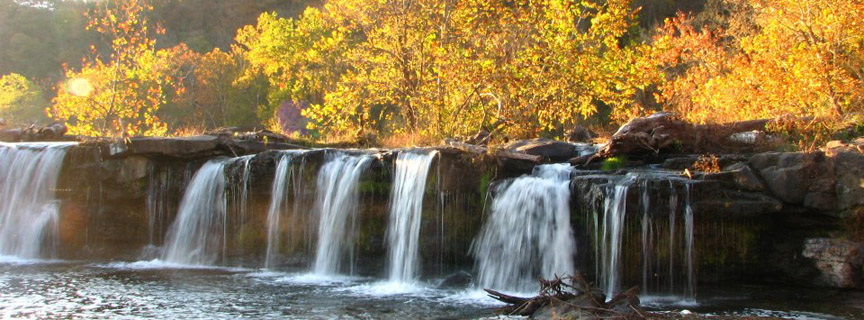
x=79, y=86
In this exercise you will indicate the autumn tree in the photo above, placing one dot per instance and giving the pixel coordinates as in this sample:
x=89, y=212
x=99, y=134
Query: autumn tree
x=118, y=94
x=438, y=68
x=798, y=59
x=210, y=94
x=21, y=100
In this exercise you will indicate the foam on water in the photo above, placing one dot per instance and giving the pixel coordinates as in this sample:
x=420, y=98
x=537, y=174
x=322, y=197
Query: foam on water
x=314, y=279
x=655, y=301
x=389, y=288
x=4, y=259
x=158, y=264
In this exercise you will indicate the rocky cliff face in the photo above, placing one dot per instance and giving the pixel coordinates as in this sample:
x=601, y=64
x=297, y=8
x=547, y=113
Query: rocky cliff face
x=774, y=216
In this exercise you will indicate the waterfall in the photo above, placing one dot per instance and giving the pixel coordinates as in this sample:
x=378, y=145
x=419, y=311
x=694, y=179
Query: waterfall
x=29, y=214
x=688, y=240
x=673, y=208
x=614, y=213
x=661, y=236
x=158, y=192
x=528, y=233
x=239, y=190
x=281, y=181
x=406, y=209
x=647, y=238
x=336, y=204
x=197, y=235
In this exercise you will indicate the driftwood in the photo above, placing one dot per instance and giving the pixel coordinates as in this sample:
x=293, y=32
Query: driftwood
x=663, y=132
x=578, y=297
x=497, y=153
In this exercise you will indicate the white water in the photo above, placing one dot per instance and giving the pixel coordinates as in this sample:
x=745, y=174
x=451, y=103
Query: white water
x=281, y=181
x=29, y=215
x=528, y=233
x=336, y=203
x=614, y=213
x=406, y=209
x=197, y=235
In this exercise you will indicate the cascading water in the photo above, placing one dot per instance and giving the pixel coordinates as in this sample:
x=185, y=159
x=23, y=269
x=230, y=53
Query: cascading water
x=281, y=181
x=528, y=233
x=614, y=213
x=197, y=235
x=688, y=238
x=157, y=202
x=406, y=209
x=336, y=203
x=239, y=190
x=661, y=237
x=28, y=210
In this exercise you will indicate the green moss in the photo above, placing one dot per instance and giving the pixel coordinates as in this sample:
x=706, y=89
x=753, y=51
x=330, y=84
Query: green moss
x=613, y=163
x=249, y=237
x=484, y=183
x=376, y=187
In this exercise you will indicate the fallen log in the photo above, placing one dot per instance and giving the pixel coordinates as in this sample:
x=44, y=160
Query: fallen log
x=505, y=297
x=663, y=132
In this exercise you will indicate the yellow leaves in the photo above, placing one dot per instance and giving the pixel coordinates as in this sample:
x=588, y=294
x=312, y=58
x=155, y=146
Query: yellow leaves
x=795, y=65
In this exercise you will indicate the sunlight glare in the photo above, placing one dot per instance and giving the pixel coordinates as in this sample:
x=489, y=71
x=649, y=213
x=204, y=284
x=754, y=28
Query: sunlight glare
x=79, y=86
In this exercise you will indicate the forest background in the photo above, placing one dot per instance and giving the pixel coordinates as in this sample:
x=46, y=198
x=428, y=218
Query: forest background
x=415, y=71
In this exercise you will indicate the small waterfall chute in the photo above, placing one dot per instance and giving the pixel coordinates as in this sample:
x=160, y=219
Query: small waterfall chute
x=406, y=209
x=667, y=243
x=197, y=235
x=528, y=232
x=336, y=203
x=29, y=211
x=275, y=212
x=614, y=214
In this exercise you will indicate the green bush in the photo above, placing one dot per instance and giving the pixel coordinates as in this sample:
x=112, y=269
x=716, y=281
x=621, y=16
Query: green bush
x=613, y=163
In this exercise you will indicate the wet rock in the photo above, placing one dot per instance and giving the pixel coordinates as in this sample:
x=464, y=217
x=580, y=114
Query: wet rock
x=719, y=202
x=460, y=279
x=625, y=305
x=838, y=261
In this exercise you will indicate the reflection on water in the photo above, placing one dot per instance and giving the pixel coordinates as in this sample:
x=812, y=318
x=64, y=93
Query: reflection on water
x=146, y=290
x=154, y=289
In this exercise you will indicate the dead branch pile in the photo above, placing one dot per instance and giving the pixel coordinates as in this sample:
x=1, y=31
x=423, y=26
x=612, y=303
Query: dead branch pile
x=571, y=297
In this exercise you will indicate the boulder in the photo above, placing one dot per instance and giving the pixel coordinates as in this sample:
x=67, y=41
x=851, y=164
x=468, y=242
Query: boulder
x=798, y=178
x=838, y=261
x=553, y=150
x=848, y=161
x=738, y=176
